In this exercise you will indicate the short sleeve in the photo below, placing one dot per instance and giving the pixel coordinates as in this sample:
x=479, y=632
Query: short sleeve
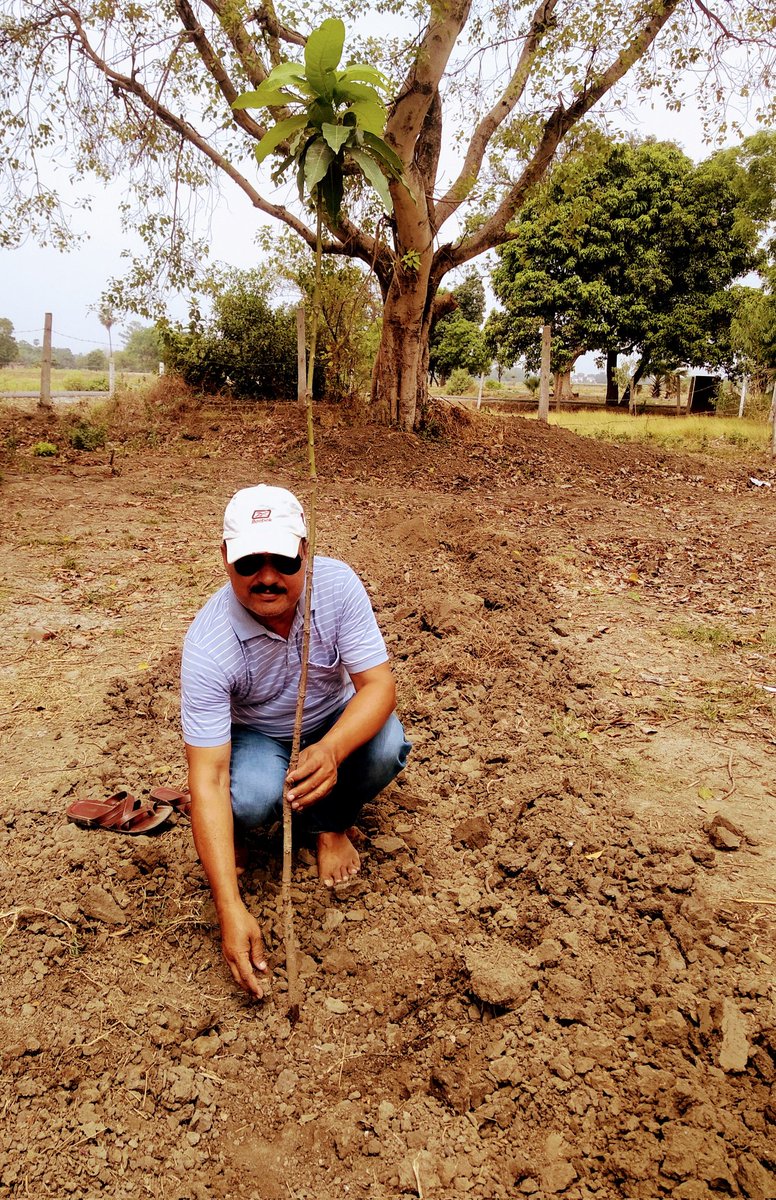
x=206, y=710
x=360, y=642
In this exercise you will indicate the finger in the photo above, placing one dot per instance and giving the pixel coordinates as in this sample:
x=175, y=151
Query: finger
x=247, y=978
x=257, y=953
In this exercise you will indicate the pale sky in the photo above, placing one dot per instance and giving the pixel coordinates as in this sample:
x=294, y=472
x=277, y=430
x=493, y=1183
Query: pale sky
x=34, y=281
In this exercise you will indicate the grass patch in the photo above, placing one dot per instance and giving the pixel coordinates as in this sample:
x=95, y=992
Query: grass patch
x=27, y=379
x=671, y=433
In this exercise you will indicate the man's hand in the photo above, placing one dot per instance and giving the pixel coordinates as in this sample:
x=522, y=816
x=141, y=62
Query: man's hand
x=243, y=948
x=313, y=777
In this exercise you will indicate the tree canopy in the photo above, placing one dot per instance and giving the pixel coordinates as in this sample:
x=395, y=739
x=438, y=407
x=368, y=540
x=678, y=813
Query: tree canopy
x=9, y=348
x=631, y=247
x=483, y=98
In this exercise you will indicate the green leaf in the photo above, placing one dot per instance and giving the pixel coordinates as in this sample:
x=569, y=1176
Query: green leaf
x=383, y=152
x=363, y=72
x=277, y=134
x=374, y=176
x=331, y=190
x=336, y=135
x=369, y=117
x=285, y=73
x=317, y=160
x=264, y=97
x=322, y=54
x=351, y=92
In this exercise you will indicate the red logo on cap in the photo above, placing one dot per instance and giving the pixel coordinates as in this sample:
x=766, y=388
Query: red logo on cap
x=261, y=514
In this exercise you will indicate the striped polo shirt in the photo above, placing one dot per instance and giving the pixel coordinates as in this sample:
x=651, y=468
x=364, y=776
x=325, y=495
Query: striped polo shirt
x=237, y=672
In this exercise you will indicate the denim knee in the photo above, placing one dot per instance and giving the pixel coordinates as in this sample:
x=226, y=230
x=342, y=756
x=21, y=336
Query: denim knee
x=257, y=770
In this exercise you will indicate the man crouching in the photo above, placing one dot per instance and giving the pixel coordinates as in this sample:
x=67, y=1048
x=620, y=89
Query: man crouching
x=240, y=677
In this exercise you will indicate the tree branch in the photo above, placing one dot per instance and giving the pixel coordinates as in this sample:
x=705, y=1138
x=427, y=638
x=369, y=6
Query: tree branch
x=240, y=40
x=417, y=92
x=494, y=232
x=266, y=18
x=216, y=68
x=482, y=135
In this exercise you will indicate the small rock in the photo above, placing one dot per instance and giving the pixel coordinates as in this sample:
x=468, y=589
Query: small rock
x=332, y=918
x=500, y=975
x=723, y=834
x=388, y=843
x=335, y=1006
x=206, y=1046
x=734, y=1052
x=100, y=906
x=473, y=832
x=286, y=1082
x=423, y=943
x=557, y=1176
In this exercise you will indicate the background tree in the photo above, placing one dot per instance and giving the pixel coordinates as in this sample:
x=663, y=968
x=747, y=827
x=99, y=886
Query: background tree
x=148, y=89
x=9, y=349
x=142, y=348
x=246, y=346
x=456, y=341
x=629, y=247
x=350, y=312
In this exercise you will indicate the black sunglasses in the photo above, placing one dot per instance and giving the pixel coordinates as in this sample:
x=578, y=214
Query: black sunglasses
x=253, y=563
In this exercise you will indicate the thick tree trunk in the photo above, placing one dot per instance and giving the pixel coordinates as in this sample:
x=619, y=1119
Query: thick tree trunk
x=612, y=391
x=563, y=392
x=400, y=375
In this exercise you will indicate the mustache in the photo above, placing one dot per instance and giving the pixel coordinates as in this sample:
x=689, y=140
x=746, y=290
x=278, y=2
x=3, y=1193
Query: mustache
x=267, y=589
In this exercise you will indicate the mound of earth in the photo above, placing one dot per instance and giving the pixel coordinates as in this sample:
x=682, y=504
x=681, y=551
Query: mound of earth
x=551, y=977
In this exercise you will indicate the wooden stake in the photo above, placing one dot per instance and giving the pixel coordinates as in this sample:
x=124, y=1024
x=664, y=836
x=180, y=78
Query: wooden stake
x=544, y=374
x=289, y=936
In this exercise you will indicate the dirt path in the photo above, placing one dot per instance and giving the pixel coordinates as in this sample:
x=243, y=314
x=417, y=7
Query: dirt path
x=548, y=980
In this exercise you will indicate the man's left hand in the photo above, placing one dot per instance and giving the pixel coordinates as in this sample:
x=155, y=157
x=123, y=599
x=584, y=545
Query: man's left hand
x=313, y=777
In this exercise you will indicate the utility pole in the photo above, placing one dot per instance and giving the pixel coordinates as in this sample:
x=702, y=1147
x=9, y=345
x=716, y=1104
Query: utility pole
x=45, y=366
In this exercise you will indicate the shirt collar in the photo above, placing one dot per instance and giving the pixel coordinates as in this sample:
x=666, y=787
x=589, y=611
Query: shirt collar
x=247, y=627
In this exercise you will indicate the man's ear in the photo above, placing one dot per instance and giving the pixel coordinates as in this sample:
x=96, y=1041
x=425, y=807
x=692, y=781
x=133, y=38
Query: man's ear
x=223, y=553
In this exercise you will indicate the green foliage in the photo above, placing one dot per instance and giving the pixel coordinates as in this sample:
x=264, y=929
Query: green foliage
x=9, y=349
x=44, y=450
x=96, y=360
x=342, y=121
x=246, y=346
x=627, y=246
x=77, y=381
x=349, y=326
x=532, y=383
x=86, y=436
x=460, y=383
x=460, y=345
x=142, y=349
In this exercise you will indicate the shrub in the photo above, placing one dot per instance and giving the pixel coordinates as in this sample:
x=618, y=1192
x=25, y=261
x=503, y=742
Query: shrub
x=85, y=436
x=532, y=383
x=494, y=385
x=44, y=450
x=79, y=381
x=460, y=383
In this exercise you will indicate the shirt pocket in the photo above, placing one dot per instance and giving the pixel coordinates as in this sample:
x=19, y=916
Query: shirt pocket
x=325, y=665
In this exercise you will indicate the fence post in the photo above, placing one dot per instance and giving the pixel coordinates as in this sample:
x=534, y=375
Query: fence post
x=301, y=355
x=742, y=401
x=45, y=366
x=544, y=374
x=111, y=377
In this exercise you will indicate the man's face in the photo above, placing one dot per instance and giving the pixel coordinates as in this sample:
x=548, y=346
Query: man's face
x=267, y=593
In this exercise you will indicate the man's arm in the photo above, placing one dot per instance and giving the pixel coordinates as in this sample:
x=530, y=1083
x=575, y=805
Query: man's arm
x=362, y=718
x=213, y=828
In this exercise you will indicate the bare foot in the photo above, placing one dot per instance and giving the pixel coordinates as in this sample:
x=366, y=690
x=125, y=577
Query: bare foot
x=338, y=859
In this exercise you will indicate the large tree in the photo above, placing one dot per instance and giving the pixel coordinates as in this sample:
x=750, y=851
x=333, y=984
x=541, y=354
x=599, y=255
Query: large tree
x=631, y=247
x=484, y=96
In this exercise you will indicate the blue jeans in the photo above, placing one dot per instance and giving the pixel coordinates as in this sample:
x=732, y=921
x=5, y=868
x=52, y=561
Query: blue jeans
x=259, y=765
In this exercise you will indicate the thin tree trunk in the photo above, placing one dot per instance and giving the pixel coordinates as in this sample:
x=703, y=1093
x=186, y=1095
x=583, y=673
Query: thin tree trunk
x=544, y=374
x=612, y=391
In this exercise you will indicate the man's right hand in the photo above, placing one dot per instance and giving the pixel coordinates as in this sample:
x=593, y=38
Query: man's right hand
x=243, y=948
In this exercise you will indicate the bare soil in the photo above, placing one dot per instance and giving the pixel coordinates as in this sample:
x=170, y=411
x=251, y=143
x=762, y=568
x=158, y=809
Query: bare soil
x=548, y=980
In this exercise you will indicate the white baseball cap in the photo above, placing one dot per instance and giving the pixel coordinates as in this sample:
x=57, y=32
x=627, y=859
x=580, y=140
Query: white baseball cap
x=263, y=520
